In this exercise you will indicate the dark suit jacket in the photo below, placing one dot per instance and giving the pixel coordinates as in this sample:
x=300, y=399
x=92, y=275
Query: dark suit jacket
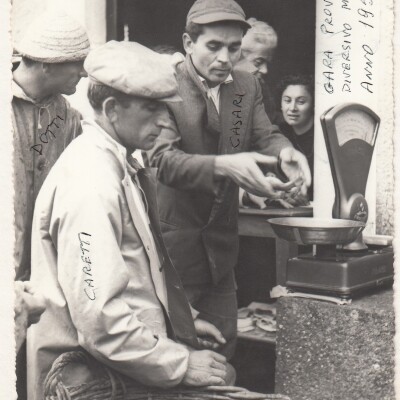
x=199, y=212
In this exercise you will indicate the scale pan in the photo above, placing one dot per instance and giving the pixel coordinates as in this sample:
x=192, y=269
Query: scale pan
x=307, y=231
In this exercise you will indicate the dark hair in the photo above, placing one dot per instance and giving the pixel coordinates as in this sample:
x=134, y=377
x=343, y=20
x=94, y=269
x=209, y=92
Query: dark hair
x=195, y=30
x=165, y=49
x=297, y=79
x=98, y=92
x=29, y=62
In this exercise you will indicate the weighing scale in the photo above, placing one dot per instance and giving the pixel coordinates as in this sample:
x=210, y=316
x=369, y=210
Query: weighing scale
x=341, y=264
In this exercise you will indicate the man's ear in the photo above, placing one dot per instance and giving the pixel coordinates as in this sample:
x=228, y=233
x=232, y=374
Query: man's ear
x=109, y=108
x=187, y=43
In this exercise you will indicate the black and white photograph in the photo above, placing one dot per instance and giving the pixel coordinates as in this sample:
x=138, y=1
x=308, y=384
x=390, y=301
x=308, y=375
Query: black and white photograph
x=199, y=199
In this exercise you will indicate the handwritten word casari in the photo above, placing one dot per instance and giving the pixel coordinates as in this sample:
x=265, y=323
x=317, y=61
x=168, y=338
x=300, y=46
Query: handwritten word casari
x=237, y=122
x=87, y=268
x=44, y=138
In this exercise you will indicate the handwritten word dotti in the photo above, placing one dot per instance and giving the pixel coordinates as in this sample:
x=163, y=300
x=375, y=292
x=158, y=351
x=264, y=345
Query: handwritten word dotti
x=44, y=136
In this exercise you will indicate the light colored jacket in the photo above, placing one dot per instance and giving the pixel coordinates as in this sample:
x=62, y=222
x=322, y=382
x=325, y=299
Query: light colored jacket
x=101, y=275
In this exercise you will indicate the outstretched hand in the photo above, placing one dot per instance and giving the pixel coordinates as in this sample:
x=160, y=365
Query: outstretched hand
x=295, y=166
x=243, y=168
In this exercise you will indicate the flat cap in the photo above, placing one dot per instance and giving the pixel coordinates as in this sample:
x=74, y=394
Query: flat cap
x=208, y=11
x=133, y=69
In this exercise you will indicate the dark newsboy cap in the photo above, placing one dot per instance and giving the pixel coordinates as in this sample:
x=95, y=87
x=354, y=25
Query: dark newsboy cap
x=208, y=11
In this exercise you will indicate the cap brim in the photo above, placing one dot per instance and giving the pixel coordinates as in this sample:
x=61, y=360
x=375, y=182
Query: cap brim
x=171, y=99
x=217, y=17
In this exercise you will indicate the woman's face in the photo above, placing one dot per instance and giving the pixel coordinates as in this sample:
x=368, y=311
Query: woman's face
x=297, y=106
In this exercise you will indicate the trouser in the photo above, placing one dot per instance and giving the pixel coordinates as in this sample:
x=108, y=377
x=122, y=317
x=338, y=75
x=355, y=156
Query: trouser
x=218, y=305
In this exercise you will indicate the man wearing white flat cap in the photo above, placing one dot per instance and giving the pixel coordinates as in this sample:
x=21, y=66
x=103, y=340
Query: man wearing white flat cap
x=97, y=249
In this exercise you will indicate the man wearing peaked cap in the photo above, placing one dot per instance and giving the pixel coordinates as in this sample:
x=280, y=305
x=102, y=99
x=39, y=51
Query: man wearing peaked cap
x=52, y=48
x=216, y=141
x=97, y=250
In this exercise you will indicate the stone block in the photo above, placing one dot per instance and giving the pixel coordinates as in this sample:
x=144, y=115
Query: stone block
x=326, y=351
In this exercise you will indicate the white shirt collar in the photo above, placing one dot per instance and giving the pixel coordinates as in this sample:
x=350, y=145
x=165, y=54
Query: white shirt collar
x=214, y=93
x=227, y=80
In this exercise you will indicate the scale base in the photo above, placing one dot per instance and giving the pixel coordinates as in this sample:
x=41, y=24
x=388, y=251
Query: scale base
x=344, y=276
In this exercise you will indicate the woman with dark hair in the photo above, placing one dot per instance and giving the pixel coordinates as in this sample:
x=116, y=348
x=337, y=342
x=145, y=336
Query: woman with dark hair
x=296, y=93
x=297, y=105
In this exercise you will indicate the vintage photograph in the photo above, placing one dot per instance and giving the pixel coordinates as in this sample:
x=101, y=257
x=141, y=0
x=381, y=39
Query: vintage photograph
x=203, y=199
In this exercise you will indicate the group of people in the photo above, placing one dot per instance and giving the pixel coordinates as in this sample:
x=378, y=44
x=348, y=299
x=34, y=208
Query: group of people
x=136, y=265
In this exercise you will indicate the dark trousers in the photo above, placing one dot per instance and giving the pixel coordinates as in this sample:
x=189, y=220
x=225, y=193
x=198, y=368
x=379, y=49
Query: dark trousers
x=217, y=305
x=21, y=373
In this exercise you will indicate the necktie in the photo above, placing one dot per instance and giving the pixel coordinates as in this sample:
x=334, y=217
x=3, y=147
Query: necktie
x=133, y=168
x=133, y=165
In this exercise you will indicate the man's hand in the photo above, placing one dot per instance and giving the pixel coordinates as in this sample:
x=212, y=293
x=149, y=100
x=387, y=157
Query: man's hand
x=28, y=307
x=205, y=368
x=33, y=301
x=207, y=329
x=242, y=168
x=295, y=166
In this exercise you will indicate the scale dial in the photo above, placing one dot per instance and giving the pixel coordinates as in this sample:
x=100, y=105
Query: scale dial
x=350, y=132
x=355, y=124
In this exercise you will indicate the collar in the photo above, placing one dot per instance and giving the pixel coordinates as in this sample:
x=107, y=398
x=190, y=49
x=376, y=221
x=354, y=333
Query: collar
x=18, y=91
x=91, y=123
x=228, y=79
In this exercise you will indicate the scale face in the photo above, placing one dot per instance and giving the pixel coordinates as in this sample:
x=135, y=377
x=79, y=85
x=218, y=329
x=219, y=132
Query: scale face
x=356, y=124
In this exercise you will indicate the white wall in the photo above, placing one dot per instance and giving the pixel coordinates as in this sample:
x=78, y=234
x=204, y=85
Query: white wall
x=365, y=28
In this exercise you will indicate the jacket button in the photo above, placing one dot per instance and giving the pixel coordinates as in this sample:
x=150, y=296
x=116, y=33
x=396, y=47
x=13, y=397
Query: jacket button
x=41, y=165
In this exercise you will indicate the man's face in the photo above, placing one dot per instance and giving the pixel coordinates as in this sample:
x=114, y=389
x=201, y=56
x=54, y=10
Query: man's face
x=215, y=51
x=260, y=55
x=140, y=124
x=63, y=77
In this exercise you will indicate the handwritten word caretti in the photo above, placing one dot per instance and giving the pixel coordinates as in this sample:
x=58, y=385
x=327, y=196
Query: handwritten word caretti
x=237, y=121
x=44, y=136
x=84, y=244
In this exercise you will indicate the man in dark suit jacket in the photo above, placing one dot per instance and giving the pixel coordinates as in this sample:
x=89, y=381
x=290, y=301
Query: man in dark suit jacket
x=203, y=157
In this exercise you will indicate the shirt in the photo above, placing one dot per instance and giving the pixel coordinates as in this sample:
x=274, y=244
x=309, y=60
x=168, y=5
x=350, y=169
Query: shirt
x=214, y=92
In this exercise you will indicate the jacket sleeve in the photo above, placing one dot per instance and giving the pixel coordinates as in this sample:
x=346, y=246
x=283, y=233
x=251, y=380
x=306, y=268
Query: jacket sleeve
x=178, y=169
x=266, y=138
x=95, y=281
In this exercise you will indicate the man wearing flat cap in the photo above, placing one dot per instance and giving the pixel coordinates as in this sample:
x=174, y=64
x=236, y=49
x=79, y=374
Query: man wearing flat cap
x=217, y=139
x=97, y=250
